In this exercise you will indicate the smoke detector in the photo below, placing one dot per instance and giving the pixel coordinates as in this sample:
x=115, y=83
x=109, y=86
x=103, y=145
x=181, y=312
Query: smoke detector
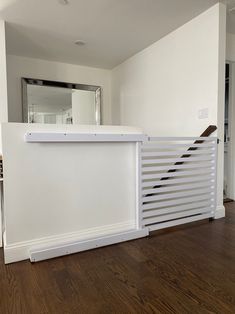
x=63, y=2
x=79, y=42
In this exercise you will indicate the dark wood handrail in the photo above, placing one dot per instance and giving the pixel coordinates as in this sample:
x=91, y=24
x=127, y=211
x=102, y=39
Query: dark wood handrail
x=211, y=129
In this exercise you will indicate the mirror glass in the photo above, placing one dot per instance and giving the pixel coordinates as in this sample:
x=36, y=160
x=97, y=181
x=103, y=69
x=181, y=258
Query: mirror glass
x=44, y=102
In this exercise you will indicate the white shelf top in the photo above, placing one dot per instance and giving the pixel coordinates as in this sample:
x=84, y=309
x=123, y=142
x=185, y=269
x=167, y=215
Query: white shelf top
x=33, y=137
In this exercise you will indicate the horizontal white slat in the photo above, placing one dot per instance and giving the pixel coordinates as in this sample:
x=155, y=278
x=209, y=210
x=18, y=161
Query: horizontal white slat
x=177, y=201
x=176, y=188
x=182, y=214
x=189, y=191
x=176, y=195
x=184, y=166
x=179, y=208
x=176, y=181
x=179, y=222
x=177, y=174
x=174, y=160
x=178, y=153
x=150, y=145
x=164, y=139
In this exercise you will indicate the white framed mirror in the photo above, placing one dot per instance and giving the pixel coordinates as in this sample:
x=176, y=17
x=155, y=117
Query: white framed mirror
x=60, y=103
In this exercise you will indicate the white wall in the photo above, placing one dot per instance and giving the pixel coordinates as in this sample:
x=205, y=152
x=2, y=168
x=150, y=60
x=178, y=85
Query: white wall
x=220, y=105
x=162, y=88
x=3, y=93
x=18, y=67
x=3, y=75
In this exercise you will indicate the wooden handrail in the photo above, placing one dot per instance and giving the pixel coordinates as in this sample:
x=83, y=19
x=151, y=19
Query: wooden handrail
x=211, y=129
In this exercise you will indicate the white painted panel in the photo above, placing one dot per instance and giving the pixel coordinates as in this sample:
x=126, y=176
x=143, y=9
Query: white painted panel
x=180, y=187
x=57, y=188
x=178, y=174
x=173, y=209
x=183, y=194
x=173, y=160
x=185, y=200
x=167, y=199
x=185, y=139
x=174, y=146
x=178, y=153
x=181, y=221
x=178, y=215
x=181, y=180
x=178, y=167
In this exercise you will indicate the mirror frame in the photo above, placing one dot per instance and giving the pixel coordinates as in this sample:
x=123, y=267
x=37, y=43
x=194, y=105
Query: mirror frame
x=47, y=83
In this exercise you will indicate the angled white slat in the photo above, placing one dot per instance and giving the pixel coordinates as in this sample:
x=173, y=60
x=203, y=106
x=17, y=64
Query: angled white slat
x=179, y=208
x=177, y=195
x=181, y=214
x=180, y=187
x=174, y=160
x=179, y=222
x=177, y=174
x=176, y=181
x=177, y=201
x=179, y=153
x=184, y=166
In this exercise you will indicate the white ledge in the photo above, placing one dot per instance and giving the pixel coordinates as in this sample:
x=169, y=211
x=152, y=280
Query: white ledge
x=33, y=137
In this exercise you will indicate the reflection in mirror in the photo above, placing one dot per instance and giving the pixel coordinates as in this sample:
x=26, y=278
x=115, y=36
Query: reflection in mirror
x=46, y=102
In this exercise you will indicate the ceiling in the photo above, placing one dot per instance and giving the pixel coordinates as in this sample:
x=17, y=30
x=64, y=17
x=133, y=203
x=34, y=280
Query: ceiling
x=113, y=30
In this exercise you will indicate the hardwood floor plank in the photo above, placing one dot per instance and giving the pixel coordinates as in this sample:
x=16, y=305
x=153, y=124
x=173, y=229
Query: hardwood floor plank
x=185, y=269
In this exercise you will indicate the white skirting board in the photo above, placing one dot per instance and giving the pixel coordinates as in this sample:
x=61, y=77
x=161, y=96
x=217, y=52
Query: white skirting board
x=39, y=254
x=20, y=251
x=220, y=212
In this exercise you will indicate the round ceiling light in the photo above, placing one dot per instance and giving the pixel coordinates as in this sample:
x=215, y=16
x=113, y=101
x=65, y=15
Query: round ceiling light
x=64, y=2
x=79, y=42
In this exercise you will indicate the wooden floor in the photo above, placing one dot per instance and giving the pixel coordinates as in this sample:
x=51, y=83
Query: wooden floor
x=189, y=269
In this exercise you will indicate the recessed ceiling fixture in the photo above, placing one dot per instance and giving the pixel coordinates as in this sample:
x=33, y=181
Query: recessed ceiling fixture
x=79, y=42
x=64, y=2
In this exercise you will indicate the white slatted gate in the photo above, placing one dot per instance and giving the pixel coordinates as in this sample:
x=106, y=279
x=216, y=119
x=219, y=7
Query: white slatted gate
x=173, y=194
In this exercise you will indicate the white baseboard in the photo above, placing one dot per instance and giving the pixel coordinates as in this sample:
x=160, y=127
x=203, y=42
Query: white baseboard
x=43, y=253
x=220, y=212
x=21, y=250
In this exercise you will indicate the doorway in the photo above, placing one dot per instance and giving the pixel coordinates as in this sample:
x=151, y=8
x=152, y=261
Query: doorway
x=229, y=126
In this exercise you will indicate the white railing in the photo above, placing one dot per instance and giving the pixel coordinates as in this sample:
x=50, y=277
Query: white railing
x=177, y=180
